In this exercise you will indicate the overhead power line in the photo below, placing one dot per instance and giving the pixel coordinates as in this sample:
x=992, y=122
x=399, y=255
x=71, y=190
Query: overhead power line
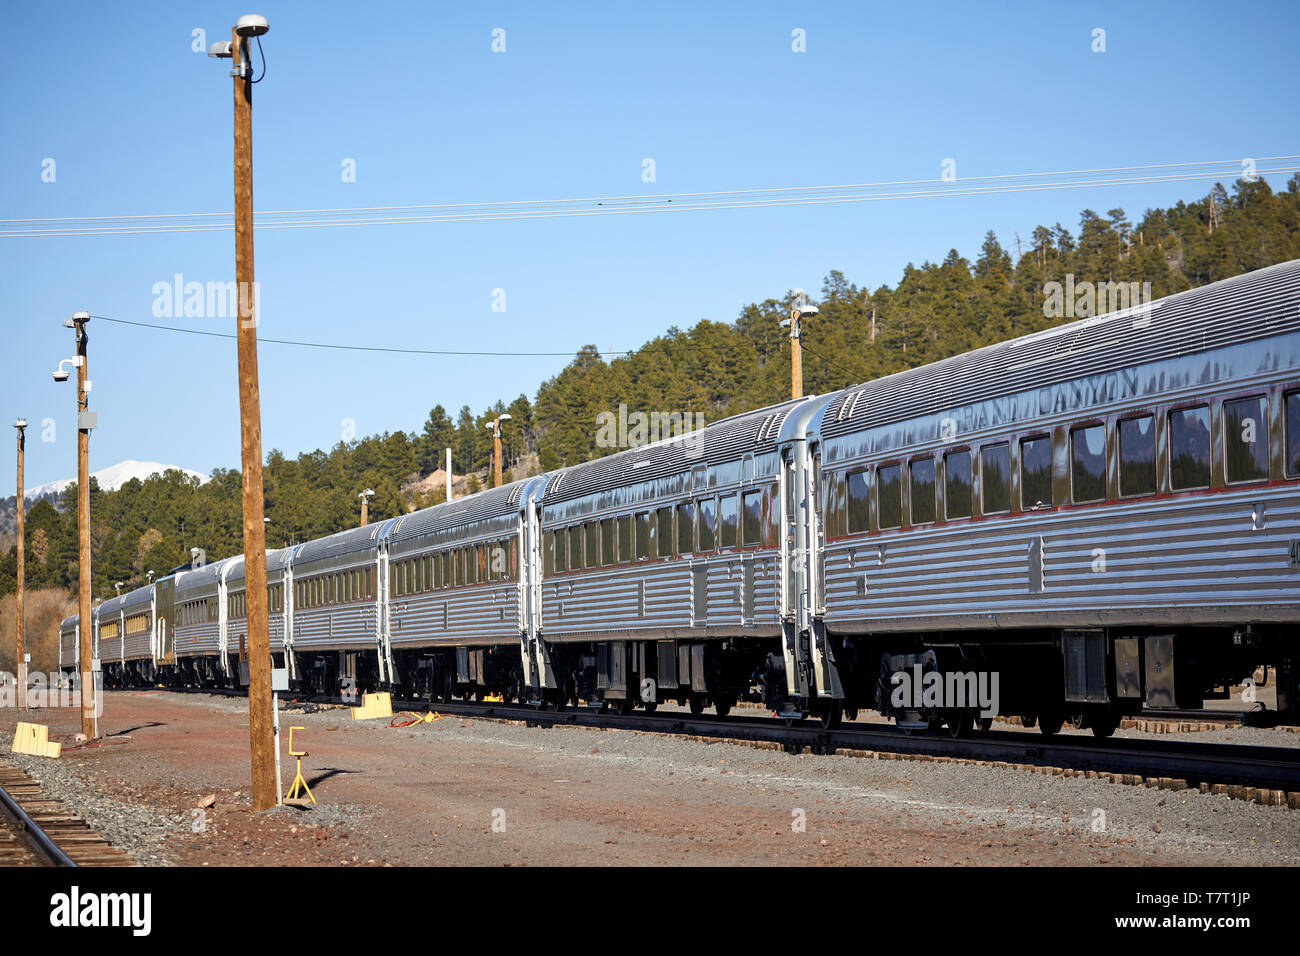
x=1105, y=177
x=343, y=346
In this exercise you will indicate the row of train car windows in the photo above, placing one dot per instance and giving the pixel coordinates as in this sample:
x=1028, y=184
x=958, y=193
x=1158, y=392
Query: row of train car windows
x=340, y=587
x=693, y=527
x=201, y=611
x=481, y=563
x=237, y=604
x=1244, y=445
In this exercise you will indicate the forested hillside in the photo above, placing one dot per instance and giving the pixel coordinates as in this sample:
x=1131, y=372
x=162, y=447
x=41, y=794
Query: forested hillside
x=714, y=369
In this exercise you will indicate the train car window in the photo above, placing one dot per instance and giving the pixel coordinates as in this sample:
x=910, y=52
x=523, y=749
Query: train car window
x=591, y=533
x=642, y=532
x=958, y=485
x=1088, y=464
x=921, y=473
x=708, y=523
x=834, y=503
x=370, y=582
x=548, y=555
x=889, y=489
x=995, y=478
x=1137, y=456
x=458, y=564
x=685, y=528
x=859, y=516
x=751, y=519
x=624, y=538
x=606, y=541
x=1035, y=473
x=481, y=556
x=729, y=520
x=774, y=515
x=1189, y=447
x=1293, y=435
x=437, y=571
x=1245, y=439
x=575, y=546
x=562, y=551
x=664, y=532
x=512, y=550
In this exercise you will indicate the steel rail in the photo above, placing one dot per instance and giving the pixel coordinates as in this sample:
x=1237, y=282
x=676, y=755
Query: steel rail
x=39, y=840
x=1262, y=767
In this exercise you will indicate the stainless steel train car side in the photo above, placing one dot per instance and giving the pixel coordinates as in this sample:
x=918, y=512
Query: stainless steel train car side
x=198, y=637
x=1041, y=491
x=653, y=553
x=69, y=646
x=108, y=634
x=234, y=600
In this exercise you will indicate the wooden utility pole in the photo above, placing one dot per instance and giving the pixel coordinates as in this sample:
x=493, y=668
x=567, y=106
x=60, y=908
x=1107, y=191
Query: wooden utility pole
x=495, y=426
x=365, y=497
x=796, y=353
x=261, y=732
x=89, y=721
x=449, y=474
x=20, y=625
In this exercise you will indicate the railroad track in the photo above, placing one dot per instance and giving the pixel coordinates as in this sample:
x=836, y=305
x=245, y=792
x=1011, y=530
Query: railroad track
x=36, y=830
x=1260, y=774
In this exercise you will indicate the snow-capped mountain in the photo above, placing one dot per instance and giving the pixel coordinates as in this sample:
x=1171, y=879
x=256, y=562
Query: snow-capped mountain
x=113, y=477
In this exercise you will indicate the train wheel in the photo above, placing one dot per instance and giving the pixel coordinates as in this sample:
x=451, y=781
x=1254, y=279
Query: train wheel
x=1105, y=725
x=651, y=706
x=696, y=703
x=850, y=713
x=959, y=723
x=831, y=714
x=983, y=724
x=1050, y=726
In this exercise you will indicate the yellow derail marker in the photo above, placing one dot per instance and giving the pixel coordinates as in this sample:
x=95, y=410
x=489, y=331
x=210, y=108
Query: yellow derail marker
x=298, y=781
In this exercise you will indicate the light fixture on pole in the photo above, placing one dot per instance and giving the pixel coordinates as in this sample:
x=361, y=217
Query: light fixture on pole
x=117, y=588
x=261, y=730
x=365, y=497
x=20, y=625
x=86, y=422
x=800, y=310
x=494, y=426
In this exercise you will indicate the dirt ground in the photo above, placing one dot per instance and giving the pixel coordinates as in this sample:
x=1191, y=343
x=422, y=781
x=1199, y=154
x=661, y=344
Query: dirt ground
x=460, y=791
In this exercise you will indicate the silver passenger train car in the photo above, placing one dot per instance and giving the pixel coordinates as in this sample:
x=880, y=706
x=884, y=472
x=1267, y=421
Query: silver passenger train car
x=1087, y=520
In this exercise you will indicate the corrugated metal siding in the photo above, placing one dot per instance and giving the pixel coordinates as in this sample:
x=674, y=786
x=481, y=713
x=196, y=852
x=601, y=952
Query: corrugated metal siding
x=1189, y=559
x=337, y=625
x=608, y=602
x=485, y=613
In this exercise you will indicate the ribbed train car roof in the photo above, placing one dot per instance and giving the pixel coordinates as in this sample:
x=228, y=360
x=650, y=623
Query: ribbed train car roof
x=275, y=561
x=726, y=440
x=1255, y=305
x=137, y=597
x=208, y=574
x=341, y=542
x=490, y=503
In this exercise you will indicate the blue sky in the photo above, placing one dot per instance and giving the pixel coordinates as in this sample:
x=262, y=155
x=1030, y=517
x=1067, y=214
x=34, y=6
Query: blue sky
x=137, y=123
